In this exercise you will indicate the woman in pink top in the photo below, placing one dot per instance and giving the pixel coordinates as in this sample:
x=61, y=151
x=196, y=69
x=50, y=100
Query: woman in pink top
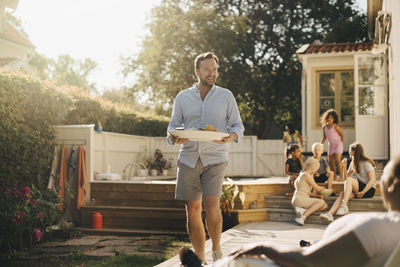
x=332, y=131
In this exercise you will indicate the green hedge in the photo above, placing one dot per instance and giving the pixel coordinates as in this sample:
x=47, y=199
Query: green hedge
x=28, y=109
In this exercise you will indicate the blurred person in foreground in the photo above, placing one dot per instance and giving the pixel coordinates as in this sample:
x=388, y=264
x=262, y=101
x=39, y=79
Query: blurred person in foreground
x=357, y=239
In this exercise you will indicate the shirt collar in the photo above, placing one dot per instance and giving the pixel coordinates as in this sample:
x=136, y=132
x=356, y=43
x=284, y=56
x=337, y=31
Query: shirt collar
x=197, y=90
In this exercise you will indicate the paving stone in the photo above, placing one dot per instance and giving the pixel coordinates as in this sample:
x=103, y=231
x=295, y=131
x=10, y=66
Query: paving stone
x=100, y=252
x=117, y=242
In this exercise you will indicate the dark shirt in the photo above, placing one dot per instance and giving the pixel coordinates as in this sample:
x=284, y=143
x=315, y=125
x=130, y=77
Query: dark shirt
x=294, y=165
x=323, y=166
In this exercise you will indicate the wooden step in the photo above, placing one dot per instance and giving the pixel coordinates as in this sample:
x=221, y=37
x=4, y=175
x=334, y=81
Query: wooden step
x=145, y=218
x=288, y=215
x=363, y=204
x=125, y=232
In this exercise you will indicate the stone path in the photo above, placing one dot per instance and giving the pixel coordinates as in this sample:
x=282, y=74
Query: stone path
x=106, y=246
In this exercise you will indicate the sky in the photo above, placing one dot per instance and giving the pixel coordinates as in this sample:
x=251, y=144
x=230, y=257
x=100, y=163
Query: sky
x=102, y=30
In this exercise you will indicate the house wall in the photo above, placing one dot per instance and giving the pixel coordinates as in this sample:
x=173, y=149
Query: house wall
x=311, y=64
x=393, y=6
x=10, y=49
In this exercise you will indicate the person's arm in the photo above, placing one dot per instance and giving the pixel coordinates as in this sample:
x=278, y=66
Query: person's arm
x=301, y=161
x=175, y=122
x=350, y=170
x=285, y=139
x=310, y=180
x=345, y=251
x=234, y=122
x=371, y=182
x=323, y=135
x=287, y=169
x=340, y=132
x=301, y=139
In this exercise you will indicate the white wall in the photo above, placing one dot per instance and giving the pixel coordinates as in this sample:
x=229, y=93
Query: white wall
x=394, y=76
x=310, y=62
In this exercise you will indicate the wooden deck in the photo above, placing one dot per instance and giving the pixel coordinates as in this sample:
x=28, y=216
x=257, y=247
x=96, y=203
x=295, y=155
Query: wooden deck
x=282, y=233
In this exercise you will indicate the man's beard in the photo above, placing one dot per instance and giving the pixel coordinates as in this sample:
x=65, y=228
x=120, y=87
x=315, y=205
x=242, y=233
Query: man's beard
x=206, y=82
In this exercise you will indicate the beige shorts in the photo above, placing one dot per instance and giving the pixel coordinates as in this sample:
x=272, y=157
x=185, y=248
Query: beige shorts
x=193, y=183
x=304, y=202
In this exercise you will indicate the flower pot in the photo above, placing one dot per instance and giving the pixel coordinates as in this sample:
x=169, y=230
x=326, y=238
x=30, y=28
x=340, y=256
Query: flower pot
x=165, y=172
x=229, y=220
x=153, y=172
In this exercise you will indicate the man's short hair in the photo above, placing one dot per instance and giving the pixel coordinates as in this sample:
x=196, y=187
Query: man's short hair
x=204, y=56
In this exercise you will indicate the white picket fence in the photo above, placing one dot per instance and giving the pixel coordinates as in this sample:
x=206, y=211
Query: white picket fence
x=251, y=157
x=248, y=158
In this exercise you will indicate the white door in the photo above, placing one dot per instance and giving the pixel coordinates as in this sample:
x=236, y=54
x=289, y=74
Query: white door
x=371, y=105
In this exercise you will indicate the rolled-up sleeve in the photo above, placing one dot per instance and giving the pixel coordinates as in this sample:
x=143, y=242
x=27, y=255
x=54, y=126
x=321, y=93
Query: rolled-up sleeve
x=176, y=118
x=235, y=123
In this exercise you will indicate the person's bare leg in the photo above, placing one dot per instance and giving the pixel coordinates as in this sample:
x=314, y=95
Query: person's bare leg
x=320, y=205
x=350, y=189
x=336, y=204
x=330, y=180
x=195, y=227
x=338, y=158
x=213, y=220
x=332, y=163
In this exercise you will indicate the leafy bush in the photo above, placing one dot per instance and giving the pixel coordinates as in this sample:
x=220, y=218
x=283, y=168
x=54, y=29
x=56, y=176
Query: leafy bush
x=25, y=214
x=28, y=109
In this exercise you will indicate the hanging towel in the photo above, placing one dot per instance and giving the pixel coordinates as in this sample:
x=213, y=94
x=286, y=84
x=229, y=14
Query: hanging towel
x=81, y=181
x=69, y=211
x=62, y=177
x=54, y=168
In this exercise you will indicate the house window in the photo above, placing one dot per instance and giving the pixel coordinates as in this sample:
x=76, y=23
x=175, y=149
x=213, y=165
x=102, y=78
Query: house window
x=336, y=90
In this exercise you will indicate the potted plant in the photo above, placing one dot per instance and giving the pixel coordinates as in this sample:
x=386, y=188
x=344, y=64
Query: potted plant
x=227, y=202
x=159, y=164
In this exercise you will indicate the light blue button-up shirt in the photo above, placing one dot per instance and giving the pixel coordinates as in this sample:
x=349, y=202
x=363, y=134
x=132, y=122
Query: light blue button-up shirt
x=219, y=109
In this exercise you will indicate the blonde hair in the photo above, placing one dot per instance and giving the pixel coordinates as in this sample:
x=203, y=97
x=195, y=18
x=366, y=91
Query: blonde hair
x=315, y=145
x=310, y=164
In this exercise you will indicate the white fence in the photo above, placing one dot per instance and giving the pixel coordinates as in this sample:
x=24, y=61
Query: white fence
x=250, y=157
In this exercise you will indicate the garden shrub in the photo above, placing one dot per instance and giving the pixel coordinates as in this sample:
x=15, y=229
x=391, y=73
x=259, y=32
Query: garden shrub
x=25, y=214
x=89, y=111
x=28, y=109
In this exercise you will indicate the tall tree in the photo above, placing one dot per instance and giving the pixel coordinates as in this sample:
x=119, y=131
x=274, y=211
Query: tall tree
x=65, y=70
x=256, y=42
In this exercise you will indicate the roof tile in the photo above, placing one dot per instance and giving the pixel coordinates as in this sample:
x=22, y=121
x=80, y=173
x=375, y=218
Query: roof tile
x=337, y=47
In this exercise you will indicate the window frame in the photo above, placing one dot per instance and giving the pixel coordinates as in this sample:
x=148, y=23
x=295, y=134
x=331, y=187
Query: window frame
x=338, y=96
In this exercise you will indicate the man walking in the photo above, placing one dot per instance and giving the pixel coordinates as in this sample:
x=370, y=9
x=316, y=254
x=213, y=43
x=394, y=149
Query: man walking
x=201, y=165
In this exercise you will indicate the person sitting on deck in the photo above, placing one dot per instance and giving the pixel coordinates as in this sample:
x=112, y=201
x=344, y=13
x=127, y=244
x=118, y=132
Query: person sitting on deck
x=357, y=239
x=293, y=164
x=360, y=182
x=324, y=173
x=304, y=201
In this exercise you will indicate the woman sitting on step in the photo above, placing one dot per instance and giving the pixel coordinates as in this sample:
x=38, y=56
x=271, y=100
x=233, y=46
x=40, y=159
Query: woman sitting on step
x=304, y=201
x=359, y=239
x=360, y=182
